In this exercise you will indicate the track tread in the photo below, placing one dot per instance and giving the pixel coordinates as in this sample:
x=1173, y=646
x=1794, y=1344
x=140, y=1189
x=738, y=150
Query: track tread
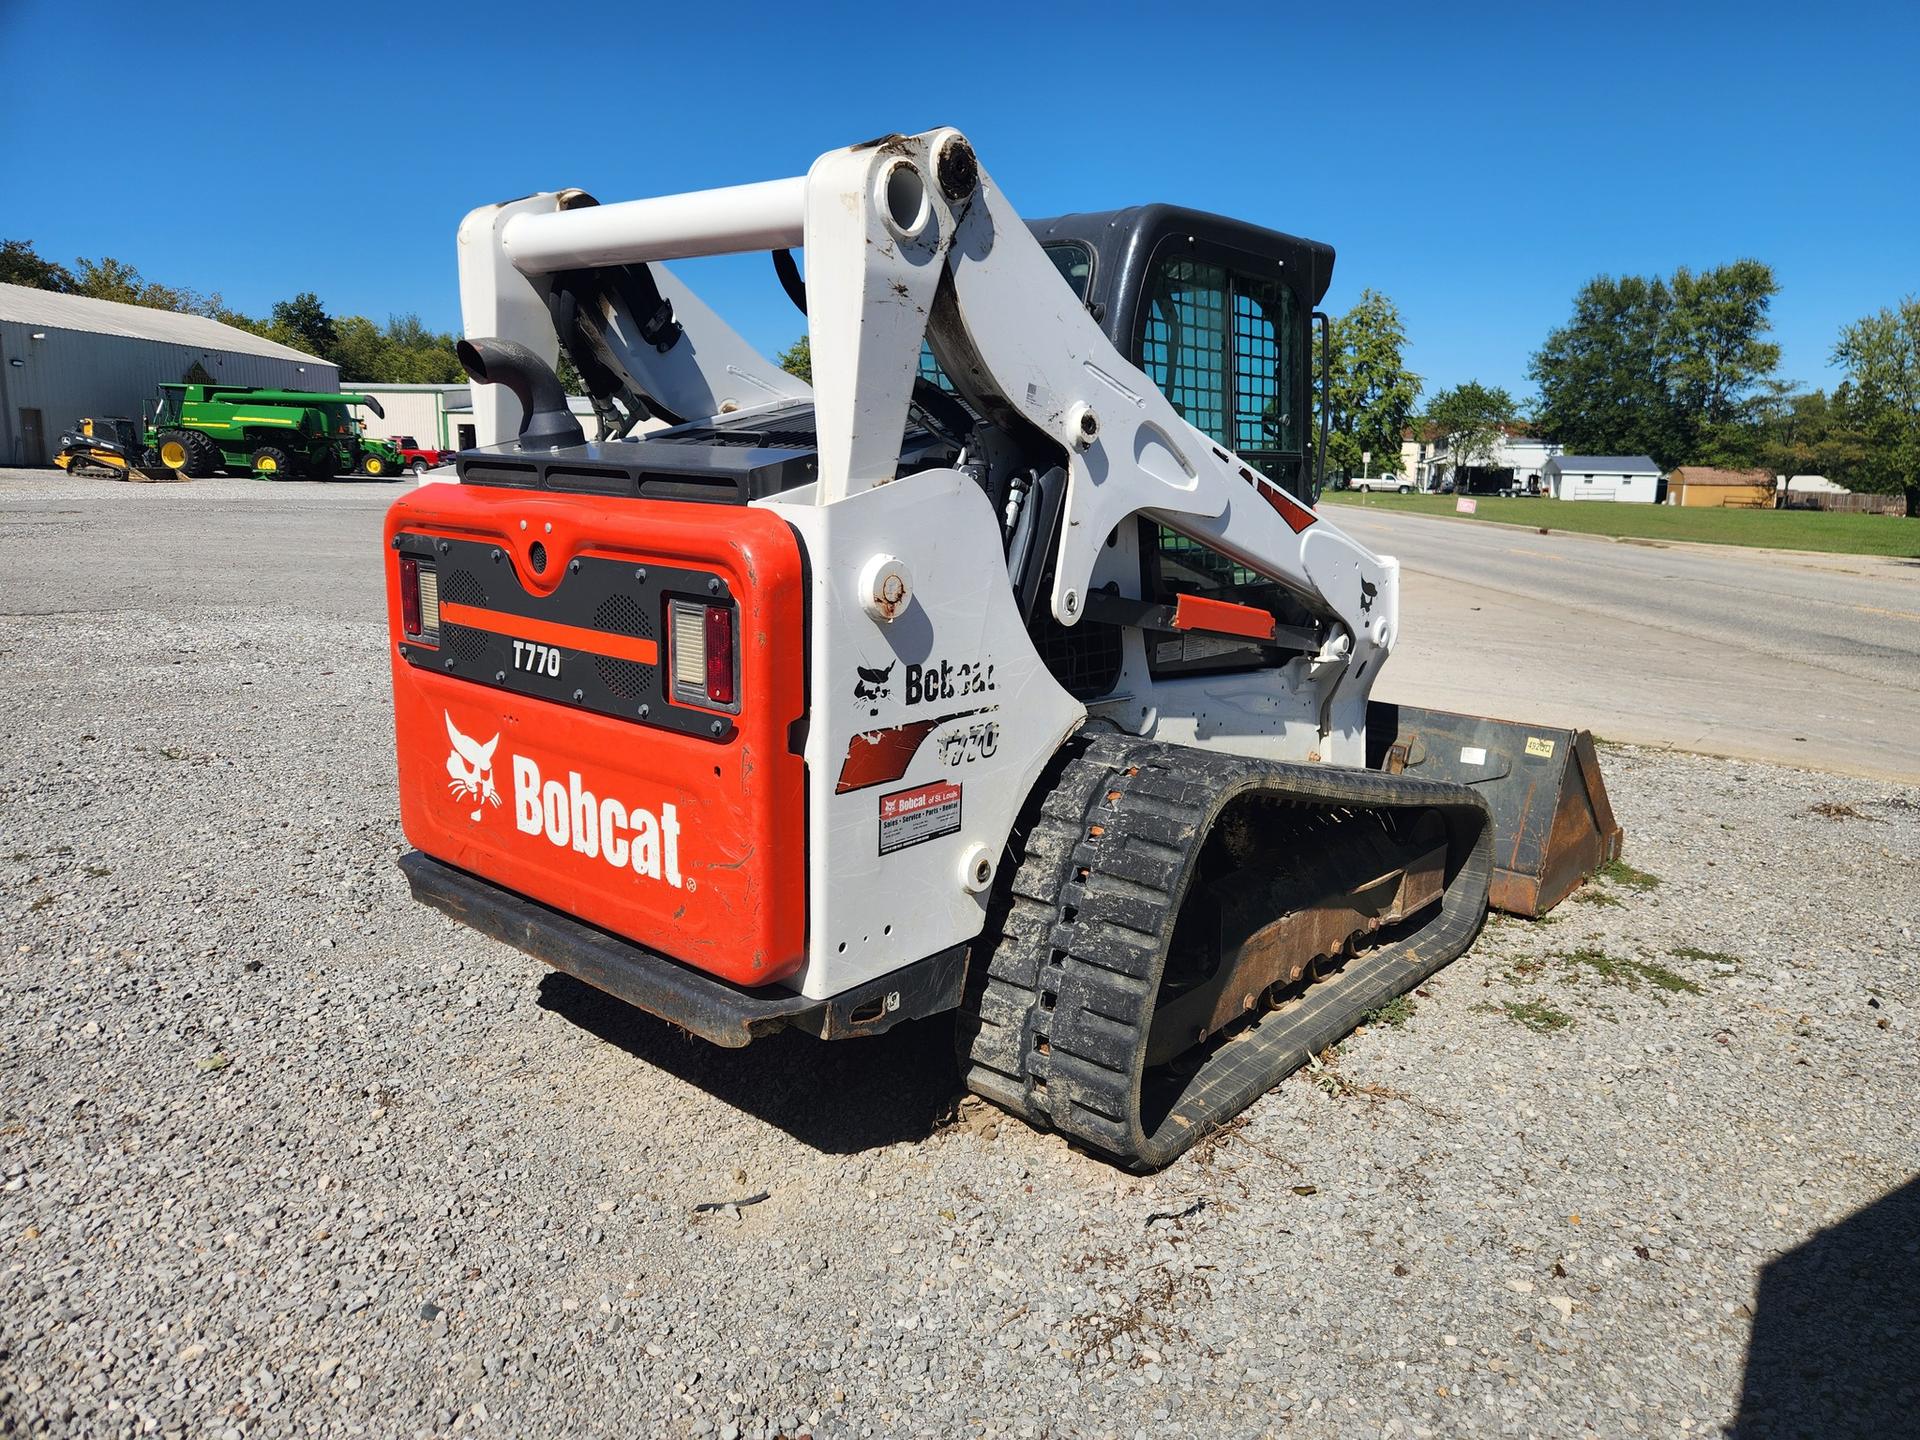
x=1057, y=1017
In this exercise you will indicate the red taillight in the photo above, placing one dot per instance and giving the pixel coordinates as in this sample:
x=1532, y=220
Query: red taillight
x=410, y=595
x=700, y=652
x=719, y=655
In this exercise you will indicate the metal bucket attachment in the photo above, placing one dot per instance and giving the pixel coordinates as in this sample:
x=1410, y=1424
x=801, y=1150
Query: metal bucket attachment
x=1552, y=823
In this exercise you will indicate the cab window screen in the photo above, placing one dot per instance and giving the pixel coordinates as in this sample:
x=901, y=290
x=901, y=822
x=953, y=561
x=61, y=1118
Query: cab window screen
x=1183, y=347
x=1221, y=345
x=1265, y=398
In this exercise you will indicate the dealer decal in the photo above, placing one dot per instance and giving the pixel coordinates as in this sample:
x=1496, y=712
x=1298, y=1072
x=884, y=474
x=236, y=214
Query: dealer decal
x=913, y=817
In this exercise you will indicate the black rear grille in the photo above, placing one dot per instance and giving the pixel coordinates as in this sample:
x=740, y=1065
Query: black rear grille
x=622, y=615
x=611, y=605
x=463, y=643
x=462, y=587
x=625, y=678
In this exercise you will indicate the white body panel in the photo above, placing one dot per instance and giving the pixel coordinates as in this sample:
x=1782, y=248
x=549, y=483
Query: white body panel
x=887, y=251
x=869, y=913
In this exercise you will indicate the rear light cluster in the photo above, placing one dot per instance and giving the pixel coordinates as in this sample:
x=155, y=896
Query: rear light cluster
x=700, y=643
x=419, y=599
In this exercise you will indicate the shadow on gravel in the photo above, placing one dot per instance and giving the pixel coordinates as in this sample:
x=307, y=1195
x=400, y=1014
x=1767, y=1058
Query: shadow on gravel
x=1835, y=1351
x=841, y=1097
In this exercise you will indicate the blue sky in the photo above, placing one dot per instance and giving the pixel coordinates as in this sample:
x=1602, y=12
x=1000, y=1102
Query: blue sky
x=1476, y=164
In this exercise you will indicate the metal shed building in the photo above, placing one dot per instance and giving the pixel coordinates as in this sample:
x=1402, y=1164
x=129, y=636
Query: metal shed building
x=65, y=356
x=1631, y=478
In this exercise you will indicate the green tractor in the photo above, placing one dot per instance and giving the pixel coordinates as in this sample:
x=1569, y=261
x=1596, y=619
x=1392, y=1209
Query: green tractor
x=274, y=434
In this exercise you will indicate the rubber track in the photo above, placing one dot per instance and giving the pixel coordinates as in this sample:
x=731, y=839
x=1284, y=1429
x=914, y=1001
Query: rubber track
x=1056, y=1021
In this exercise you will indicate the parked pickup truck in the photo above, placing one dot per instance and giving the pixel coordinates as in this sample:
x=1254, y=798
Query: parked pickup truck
x=417, y=459
x=1379, y=482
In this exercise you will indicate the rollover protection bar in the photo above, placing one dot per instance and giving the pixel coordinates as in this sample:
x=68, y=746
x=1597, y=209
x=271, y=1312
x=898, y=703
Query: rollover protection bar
x=767, y=215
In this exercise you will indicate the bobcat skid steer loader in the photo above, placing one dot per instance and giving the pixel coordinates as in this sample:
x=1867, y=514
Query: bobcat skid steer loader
x=1005, y=668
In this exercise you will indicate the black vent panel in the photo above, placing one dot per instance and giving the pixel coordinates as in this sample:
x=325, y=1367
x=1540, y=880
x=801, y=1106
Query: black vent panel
x=623, y=615
x=462, y=587
x=466, y=645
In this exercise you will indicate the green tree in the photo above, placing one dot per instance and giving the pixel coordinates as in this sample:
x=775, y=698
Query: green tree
x=303, y=323
x=108, y=279
x=1674, y=368
x=1717, y=358
x=360, y=350
x=797, y=359
x=21, y=264
x=1372, y=393
x=1880, y=354
x=1473, y=417
x=1810, y=433
x=1602, y=376
x=421, y=356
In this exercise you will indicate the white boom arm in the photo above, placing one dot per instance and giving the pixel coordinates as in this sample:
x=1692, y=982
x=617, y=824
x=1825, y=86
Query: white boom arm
x=883, y=226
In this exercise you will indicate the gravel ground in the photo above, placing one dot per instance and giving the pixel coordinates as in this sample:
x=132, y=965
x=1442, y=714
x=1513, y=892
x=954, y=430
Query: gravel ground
x=283, y=1153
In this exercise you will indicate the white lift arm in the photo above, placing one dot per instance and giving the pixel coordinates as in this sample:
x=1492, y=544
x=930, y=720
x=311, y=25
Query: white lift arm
x=894, y=230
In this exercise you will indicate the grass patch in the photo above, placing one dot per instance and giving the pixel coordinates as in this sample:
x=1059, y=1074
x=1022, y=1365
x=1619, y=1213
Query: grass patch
x=1591, y=896
x=1612, y=970
x=1618, y=872
x=1396, y=1012
x=1536, y=1015
x=1808, y=530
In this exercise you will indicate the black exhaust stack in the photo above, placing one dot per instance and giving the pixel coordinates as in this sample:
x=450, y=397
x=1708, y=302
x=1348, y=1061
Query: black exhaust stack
x=545, y=419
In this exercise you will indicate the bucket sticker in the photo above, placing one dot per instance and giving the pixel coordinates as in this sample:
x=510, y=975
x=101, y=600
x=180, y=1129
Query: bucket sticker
x=1539, y=745
x=913, y=817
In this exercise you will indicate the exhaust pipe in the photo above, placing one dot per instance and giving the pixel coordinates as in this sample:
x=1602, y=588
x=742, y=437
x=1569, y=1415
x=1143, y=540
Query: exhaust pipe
x=544, y=416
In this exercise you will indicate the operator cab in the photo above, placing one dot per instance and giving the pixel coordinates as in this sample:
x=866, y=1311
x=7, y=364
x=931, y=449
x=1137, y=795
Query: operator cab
x=1217, y=312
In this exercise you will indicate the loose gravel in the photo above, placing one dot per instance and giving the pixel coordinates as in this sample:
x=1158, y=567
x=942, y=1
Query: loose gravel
x=282, y=1153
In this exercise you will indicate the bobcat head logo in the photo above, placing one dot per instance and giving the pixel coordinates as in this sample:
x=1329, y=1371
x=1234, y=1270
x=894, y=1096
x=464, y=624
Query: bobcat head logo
x=470, y=767
x=872, y=684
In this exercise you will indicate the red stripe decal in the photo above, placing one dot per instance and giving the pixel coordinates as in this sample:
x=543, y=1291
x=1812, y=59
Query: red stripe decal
x=875, y=757
x=1297, y=516
x=548, y=632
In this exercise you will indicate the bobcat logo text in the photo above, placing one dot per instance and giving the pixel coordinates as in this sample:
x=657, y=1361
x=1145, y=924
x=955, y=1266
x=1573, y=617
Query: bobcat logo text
x=568, y=814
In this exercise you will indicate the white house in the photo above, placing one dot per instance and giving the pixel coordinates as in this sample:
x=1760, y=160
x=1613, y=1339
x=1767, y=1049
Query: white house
x=1631, y=478
x=1427, y=459
x=1527, y=458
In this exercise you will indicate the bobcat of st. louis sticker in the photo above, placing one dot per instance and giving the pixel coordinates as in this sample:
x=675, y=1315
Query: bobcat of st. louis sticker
x=912, y=817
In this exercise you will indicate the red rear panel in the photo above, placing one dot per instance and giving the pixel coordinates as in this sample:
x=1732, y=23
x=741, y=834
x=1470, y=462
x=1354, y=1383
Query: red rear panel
x=545, y=745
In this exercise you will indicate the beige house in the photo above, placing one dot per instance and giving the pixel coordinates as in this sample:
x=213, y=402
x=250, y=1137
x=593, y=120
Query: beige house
x=1704, y=487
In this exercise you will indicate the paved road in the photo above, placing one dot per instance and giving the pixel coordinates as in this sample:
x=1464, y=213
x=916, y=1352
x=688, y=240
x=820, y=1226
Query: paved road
x=1809, y=659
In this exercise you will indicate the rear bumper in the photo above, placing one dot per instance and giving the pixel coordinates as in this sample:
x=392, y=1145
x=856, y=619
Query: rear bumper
x=726, y=1014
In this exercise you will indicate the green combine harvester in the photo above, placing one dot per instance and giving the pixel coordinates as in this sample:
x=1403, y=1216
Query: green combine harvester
x=274, y=434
